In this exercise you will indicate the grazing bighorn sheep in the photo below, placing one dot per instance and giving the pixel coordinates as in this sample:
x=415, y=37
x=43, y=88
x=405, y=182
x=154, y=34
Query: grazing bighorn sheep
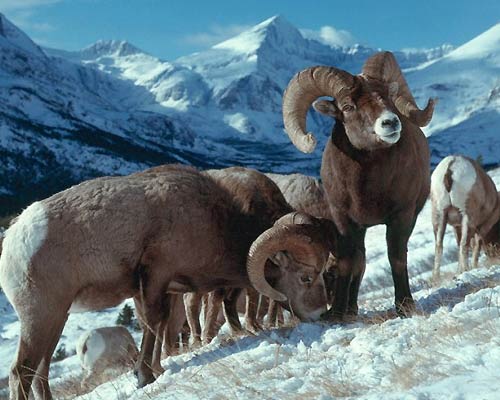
x=104, y=350
x=375, y=167
x=260, y=199
x=175, y=230
x=305, y=193
x=464, y=196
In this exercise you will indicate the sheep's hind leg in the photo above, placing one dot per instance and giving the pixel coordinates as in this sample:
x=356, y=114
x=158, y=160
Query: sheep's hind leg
x=463, y=255
x=40, y=332
x=439, y=225
x=158, y=347
x=476, y=250
x=41, y=388
x=177, y=320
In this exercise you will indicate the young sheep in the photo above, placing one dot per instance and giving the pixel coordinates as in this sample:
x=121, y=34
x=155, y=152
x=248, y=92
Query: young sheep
x=176, y=230
x=105, y=351
x=464, y=196
x=375, y=167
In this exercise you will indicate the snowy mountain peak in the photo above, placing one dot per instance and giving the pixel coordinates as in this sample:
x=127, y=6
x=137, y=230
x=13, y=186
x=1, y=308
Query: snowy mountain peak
x=278, y=25
x=275, y=31
x=487, y=44
x=12, y=37
x=102, y=48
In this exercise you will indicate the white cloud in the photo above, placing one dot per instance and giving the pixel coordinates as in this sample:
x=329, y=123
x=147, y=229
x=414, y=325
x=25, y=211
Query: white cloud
x=25, y=20
x=216, y=34
x=330, y=36
x=14, y=5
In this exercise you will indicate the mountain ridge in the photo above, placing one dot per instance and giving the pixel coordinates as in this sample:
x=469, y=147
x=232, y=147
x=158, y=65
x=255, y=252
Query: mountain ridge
x=90, y=112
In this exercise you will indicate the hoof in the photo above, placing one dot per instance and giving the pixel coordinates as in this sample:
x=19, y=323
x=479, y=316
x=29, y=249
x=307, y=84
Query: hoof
x=352, y=311
x=253, y=328
x=406, y=308
x=332, y=317
x=144, y=377
x=157, y=372
x=436, y=278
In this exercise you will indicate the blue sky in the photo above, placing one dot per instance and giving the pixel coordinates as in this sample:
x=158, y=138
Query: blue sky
x=169, y=29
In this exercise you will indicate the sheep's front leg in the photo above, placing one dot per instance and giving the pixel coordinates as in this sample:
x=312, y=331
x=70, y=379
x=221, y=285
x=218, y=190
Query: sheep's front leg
x=230, y=308
x=192, y=304
x=397, y=236
x=254, y=312
x=351, y=264
x=212, y=309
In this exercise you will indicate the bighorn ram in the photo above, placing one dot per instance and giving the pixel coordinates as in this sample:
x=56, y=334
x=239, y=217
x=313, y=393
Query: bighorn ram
x=464, y=196
x=104, y=350
x=260, y=199
x=375, y=167
x=305, y=193
x=144, y=235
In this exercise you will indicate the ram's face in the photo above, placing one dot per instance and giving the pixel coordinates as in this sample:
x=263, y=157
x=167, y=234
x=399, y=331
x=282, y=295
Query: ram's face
x=369, y=117
x=302, y=282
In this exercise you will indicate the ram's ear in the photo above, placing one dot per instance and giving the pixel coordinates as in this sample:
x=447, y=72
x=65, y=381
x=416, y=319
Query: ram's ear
x=280, y=259
x=393, y=89
x=327, y=107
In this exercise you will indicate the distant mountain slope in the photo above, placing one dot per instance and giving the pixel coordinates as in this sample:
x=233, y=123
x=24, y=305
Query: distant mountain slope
x=111, y=108
x=467, y=83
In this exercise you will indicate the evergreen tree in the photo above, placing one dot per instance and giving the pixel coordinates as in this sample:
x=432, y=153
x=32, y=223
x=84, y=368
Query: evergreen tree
x=126, y=316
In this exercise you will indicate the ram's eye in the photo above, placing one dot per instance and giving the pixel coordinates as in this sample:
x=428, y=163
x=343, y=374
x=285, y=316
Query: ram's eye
x=348, y=108
x=306, y=279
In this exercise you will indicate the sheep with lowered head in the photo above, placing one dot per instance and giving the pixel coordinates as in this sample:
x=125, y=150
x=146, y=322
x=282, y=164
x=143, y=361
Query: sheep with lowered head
x=305, y=193
x=260, y=199
x=175, y=230
x=105, y=351
x=464, y=196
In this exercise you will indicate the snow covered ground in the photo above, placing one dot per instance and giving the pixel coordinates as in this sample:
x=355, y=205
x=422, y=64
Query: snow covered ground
x=450, y=350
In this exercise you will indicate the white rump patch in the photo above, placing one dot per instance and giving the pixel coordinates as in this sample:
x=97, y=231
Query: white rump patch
x=388, y=133
x=96, y=345
x=439, y=194
x=464, y=176
x=22, y=241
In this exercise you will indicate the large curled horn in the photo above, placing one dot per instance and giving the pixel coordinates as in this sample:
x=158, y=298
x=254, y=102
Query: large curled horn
x=275, y=239
x=303, y=89
x=384, y=67
x=296, y=218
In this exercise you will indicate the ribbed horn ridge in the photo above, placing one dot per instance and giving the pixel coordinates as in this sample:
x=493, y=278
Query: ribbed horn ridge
x=384, y=67
x=303, y=89
x=294, y=238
